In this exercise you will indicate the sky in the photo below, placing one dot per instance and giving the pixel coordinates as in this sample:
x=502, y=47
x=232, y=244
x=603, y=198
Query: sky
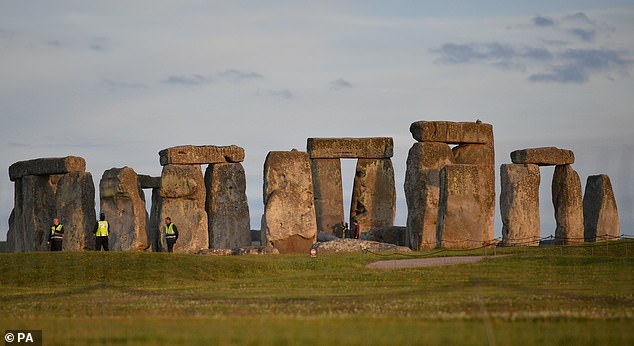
x=115, y=82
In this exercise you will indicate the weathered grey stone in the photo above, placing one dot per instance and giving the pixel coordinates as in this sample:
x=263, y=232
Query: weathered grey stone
x=227, y=207
x=351, y=148
x=390, y=235
x=460, y=218
x=358, y=245
x=75, y=204
x=422, y=191
x=483, y=156
x=328, y=195
x=519, y=204
x=546, y=156
x=568, y=203
x=183, y=200
x=452, y=132
x=149, y=182
x=123, y=202
x=600, y=215
x=4, y=247
x=373, y=202
x=47, y=166
x=154, y=229
x=198, y=155
x=289, y=222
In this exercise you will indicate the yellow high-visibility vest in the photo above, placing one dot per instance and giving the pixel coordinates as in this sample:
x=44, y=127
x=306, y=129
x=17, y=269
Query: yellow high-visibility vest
x=169, y=231
x=102, y=229
x=54, y=230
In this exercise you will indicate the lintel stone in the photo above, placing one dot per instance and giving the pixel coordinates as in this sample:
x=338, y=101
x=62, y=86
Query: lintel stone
x=149, y=182
x=47, y=166
x=452, y=132
x=545, y=156
x=350, y=148
x=201, y=155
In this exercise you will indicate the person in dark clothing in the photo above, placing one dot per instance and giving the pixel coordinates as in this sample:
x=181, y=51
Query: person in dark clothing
x=171, y=234
x=346, y=231
x=355, y=229
x=56, y=236
x=102, y=229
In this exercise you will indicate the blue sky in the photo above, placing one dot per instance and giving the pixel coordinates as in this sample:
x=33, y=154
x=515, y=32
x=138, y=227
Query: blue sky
x=115, y=82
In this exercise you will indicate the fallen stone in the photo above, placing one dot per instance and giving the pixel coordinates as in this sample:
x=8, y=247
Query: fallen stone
x=600, y=215
x=75, y=204
x=351, y=148
x=325, y=236
x=183, y=200
x=519, y=204
x=357, y=245
x=227, y=207
x=373, y=194
x=149, y=182
x=200, y=155
x=47, y=166
x=289, y=222
x=460, y=217
x=391, y=235
x=328, y=195
x=546, y=156
x=452, y=132
x=241, y=251
x=483, y=156
x=123, y=202
x=422, y=191
x=568, y=203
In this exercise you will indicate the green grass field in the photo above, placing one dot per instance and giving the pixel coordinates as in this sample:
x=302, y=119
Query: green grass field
x=579, y=296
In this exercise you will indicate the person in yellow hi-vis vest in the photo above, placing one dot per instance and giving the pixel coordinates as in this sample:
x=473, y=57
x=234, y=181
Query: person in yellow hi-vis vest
x=56, y=236
x=171, y=234
x=101, y=233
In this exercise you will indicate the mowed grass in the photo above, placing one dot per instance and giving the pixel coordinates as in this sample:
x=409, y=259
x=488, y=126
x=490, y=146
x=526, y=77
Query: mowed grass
x=576, y=295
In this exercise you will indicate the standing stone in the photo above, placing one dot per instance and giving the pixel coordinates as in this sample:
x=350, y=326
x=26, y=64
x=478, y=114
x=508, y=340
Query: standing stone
x=519, y=204
x=75, y=203
x=600, y=216
x=422, y=191
x=460, y=218
x=546, y=156
x=328, y=195
x=566, y=190
x=154, y=229
x=373, y=194
x=227, y=207
x=289, y=223
x=351, y=148
x=183, y=200
x=123, y=203
x=483, y=156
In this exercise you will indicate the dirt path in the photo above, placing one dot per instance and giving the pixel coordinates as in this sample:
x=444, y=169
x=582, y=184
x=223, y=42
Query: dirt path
x=427, y=262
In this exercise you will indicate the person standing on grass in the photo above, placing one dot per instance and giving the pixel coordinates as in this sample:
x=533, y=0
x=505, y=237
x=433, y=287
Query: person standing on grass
x=171, y=234
x=355, y=229
x=102, y=229
x=346, y=231
x=56, y=237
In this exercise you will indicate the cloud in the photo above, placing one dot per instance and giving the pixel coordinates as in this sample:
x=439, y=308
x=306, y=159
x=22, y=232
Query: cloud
x=561, y=74
x=583, y=34
x=579, y=64
x=578, y=17
x=230, y=75
x=339, y=84
x=112, y=85
x=99, y=44
x=283, y=93
x=543, y=21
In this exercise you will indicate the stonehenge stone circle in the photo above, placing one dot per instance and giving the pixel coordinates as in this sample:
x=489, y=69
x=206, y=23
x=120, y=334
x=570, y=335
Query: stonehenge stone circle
x=545, y=156
x=47, y=166
x=460, y=213
x=123, y=202
x=328, y=195
x=373, y=202
x=352, y=148
x=199, y=155
x=600, y=215
x=75, y=203
x=183, y=200
x=452, y=132
x=519, y=204
x=422, y=191
x=226, y=206
x=289, y=222
x=567, y=200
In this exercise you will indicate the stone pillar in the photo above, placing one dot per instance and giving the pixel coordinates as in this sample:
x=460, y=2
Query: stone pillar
x=183, y=200
x=422, y=191
x=289, y=222
x=75, y=203
x=123, y=202
x=154, y=229
x=519, y=204
x=373, y=194
x=566, y=193
x=226, y=206
x=600, y=215
x=483, y=156
x=328, y=195
x=460, y=217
